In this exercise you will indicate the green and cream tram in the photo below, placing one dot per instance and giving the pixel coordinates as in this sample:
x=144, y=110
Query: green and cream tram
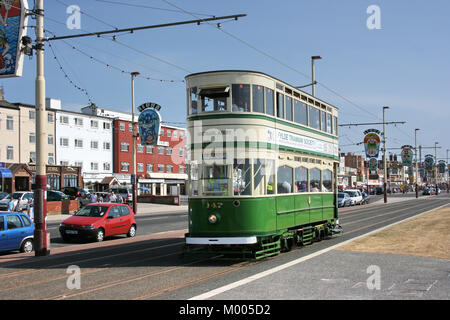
x=262, y=165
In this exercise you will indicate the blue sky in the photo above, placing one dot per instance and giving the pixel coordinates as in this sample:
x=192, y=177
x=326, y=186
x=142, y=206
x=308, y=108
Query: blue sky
x=403, y=65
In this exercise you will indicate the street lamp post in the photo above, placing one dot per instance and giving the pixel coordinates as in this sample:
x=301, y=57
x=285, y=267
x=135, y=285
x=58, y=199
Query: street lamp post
x=41, y=237
x=133, y=143
x=313, y=76
x=417, y=165
x=435, y=167
x=384, y=156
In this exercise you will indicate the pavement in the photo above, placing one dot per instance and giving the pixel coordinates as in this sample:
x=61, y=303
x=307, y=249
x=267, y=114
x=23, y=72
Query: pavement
x=144, y=209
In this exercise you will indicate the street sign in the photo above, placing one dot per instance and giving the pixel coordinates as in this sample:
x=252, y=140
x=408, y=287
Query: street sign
x=12, y=21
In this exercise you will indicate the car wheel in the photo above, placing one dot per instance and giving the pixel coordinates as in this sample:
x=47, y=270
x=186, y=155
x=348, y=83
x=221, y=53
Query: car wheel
x=100, y=235
x=27, y=246
x=132, y=232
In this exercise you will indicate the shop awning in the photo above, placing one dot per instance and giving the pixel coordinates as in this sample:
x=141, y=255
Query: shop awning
x=5, y=173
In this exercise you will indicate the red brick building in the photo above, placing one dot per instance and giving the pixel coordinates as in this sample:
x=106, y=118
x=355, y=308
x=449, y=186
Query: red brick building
x=161, y=168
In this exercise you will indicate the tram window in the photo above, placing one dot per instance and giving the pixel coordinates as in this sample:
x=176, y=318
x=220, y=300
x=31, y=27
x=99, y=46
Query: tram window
x=270, y=109
x=214, y=99
x=288, y=108
x=241, y=97
x=194, y=98
x=323, y=122
x=241, y=177
x=314, y=118
x=314, y=180
x=328, y=123
x=258, y=98
x=193, y=173
x=327, y=178
x=301, y=179
x=300, y=112
x=284, y=179
x=215, y=180
x=280, y=105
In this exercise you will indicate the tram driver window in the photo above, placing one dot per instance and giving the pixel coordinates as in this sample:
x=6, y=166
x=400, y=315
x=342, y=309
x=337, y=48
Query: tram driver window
x=241, y=177
x=215, y=180
x=284, y=180
x=241, y=97
x=214, y=99
x=314, y=180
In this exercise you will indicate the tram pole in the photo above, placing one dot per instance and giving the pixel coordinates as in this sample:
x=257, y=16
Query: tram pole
x=313, y=74
x=41, y=237
x=384, y=156
x=417, y=165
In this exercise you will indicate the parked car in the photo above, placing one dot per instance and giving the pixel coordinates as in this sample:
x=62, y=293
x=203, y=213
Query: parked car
x=99, y=220
x=74, y=192
x=16, y=232
x=21, y=196
x=366, y=198
x=53, y=195
x=428, y=192
x=355, y=195
x=344, y=199
x=126, y=193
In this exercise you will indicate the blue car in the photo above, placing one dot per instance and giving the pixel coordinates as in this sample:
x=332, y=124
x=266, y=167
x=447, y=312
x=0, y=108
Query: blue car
x=16, y=232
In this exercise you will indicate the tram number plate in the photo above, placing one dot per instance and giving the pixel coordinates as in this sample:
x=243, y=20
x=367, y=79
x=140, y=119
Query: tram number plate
x=214, y=205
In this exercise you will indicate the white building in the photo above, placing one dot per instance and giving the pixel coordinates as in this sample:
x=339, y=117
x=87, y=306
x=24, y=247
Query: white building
x=103, y=112
x=87, y=141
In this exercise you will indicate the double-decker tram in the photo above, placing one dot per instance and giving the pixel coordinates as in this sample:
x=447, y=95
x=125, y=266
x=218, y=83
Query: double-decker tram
x=262, y=165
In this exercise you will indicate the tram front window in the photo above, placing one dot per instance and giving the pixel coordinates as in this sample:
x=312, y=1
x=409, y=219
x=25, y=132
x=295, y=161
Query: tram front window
x=214, y=99
x=241, y=97
x=215, y=180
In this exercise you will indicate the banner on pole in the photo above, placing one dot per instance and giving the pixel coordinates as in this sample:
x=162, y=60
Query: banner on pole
x=12, y=29
x=407, y=155
x=372, y=143
x=149, y=123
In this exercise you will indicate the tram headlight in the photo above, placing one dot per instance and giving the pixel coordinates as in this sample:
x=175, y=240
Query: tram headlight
x=213, y=218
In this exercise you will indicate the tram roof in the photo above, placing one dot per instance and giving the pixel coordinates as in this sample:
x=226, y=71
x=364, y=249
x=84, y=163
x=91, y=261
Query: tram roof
x=261, y=73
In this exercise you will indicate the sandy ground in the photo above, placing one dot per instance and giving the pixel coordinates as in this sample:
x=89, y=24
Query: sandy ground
x=426, y=236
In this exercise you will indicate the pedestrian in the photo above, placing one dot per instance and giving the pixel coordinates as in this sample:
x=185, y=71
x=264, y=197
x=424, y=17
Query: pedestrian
x=11, y=204
x=94, y=198
x=30, y=209
x=112, y=197
x=100, y=197
x=119, y=198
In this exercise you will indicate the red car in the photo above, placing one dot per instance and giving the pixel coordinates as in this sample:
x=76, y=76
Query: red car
x=99, y=220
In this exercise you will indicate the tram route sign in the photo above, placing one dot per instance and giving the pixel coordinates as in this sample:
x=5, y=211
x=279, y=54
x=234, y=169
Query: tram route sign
x=372, y=143
x=149, y=123
x=12, y=21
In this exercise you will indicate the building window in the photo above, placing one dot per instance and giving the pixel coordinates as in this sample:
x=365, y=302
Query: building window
x=169, y=151
x=169, y=168
x=160, y=168
x=149, y=149
x=160, y=150
x=64, y=119
x=64, y=163
x=33, y=157
x=124, y=146
x=94, y=145
x=106, y=145
x=50, y=139
x=53, y=181
x=122, y=127
x=94, y=124
x=64, y=142
x=78, y=163
x=51, y=158
x=124, y=166
x=130, y=128
x=140, y=167
x=78, y=121
x=106, y=125
x=94, y=166
x=169, y=133
x=140, y=148
x=9, y=153
x=31, y=114
x=78, y=143
x=32, y=137
x=70, y=180
x=106, y=166
x=181, y=152
x=181, y=169
x=149, y=167
x=50, y=117
x=9, y=123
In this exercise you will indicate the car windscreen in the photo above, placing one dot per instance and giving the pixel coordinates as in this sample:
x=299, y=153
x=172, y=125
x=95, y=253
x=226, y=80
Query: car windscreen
x=341, y=195
x=92, y=211
x=14, y=195
x=352, y=193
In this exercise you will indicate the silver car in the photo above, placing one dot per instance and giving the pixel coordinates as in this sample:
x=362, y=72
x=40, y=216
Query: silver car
x=22, y=196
